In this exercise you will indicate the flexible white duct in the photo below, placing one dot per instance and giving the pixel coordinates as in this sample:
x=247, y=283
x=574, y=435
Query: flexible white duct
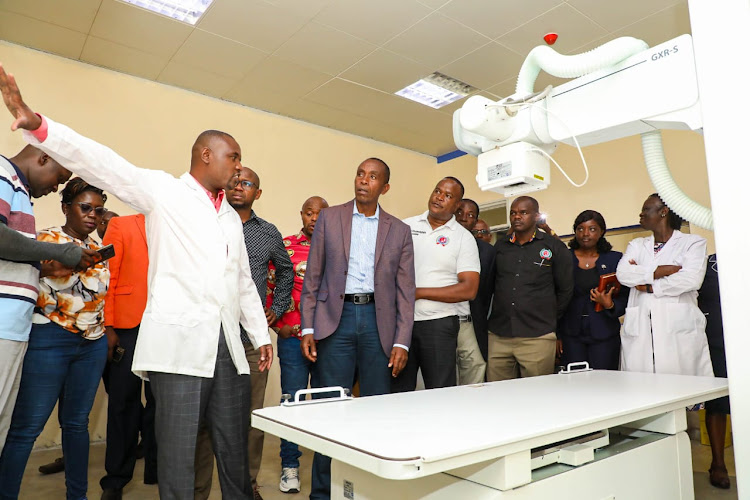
x=547, y=59
x=609, y=54
x=669, y=191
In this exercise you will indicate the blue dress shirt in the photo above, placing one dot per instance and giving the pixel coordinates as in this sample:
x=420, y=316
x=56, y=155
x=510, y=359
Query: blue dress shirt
x=361, y=275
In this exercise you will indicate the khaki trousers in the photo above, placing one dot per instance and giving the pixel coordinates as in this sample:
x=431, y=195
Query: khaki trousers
x=511, y=357
x=470, y=365
x=204, y=454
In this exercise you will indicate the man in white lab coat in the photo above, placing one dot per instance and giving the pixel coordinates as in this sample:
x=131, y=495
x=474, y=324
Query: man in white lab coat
x=200, y=291
x=664, y=330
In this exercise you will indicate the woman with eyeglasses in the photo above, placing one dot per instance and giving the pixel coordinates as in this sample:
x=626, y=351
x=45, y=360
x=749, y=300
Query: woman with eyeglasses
x=664, y=330
x=587, y=334
x=67, y=349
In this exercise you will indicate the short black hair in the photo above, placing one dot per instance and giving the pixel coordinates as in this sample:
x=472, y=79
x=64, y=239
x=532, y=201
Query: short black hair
x=387, y=168
x=602, y=245
x=460, y=184
x=468, y=200
x=76, y=187
x=534, y=203
x=674, y=220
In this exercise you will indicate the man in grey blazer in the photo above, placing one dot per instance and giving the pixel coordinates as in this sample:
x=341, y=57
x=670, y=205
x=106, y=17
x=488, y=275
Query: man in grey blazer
x=358, y=297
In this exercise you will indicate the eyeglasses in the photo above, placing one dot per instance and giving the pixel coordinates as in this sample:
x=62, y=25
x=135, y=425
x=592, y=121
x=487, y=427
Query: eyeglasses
x=479, y=231
x=242, y=184
x=86, y=208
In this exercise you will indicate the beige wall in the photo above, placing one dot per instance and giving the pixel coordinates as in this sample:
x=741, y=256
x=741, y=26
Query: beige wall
x=154, y=125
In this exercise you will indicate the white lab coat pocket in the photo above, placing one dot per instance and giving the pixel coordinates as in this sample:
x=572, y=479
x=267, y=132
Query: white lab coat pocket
x=174, y=304
x=630, y=325
x=683, y=319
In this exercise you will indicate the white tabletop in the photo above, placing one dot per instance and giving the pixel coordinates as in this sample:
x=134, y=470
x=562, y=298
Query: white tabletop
x=440, y=424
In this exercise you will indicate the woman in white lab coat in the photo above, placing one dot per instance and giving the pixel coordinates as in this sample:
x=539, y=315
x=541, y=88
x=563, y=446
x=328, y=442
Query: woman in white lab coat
x=664, y=330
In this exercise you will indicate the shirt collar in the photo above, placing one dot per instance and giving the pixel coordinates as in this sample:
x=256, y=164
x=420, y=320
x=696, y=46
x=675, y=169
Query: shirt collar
x=451, y=224
x=215, y=200
x=301, y=236
x=20, y=175
x=536, y=236
x=355, y=211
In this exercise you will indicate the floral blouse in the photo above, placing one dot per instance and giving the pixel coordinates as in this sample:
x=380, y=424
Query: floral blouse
x=75, y=302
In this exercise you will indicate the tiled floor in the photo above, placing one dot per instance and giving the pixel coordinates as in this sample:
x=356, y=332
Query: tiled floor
x=36, y=486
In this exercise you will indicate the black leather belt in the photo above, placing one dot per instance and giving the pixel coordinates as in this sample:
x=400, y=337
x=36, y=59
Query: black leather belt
x=359, y=298
x=465, y=319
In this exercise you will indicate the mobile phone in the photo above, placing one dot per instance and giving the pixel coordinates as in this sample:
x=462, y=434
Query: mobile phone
x=118, y=353
x=106, y=252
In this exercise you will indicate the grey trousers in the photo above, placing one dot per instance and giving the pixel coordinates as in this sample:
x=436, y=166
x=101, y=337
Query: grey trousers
x=182, y=401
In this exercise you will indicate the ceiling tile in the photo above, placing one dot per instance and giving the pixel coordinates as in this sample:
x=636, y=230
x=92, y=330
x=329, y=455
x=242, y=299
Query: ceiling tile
x=40, y=35
x=275, y=79
x=356, y=99
x=375, y=105
x=386, y=71
x=434, y=4
x=302, y=8
x=76, y=15
x=252, y=22
x=121, y=58
x=323, y=49
x=218, y=55
x=497, y=17
x=504, y=89
x=139, y=29
x=616, y=15
x=574, y=29
x=191, y=78
x=363, y=127
x=660, y=27
x=313, y=112
x=486, y=66
x=376, y=22
x=436, y=41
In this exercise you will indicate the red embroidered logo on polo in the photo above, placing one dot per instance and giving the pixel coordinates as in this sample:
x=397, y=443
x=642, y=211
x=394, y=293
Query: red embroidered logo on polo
x=442, y=240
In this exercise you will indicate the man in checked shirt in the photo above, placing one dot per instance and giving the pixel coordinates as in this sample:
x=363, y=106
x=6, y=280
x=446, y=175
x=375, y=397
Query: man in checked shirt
x=264, y=246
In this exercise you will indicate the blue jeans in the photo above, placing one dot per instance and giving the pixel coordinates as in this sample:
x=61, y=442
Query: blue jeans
x=57, y=363
x=295, y=373
x=353, y=350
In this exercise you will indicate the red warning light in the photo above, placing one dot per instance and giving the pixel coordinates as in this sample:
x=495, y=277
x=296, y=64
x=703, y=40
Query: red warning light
x=550, y=38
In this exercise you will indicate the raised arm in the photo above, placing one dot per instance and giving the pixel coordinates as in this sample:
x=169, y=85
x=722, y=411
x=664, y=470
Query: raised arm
x=96, y=164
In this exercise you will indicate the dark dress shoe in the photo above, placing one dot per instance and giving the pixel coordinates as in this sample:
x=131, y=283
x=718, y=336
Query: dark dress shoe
x=719, y=477
x=112, y=494
x=52, y=468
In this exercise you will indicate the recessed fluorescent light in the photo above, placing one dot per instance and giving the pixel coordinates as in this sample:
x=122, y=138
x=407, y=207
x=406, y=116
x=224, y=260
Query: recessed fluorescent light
x=187, y=11
x=436, y=90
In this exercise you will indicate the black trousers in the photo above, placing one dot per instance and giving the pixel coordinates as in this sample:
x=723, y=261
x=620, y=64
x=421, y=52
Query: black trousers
x=433, y=349
x=126, y=417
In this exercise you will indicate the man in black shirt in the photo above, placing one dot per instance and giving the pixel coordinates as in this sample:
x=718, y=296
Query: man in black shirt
x=533, y=285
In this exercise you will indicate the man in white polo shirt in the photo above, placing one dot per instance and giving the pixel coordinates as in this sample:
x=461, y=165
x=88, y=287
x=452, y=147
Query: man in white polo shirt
x=446, y=262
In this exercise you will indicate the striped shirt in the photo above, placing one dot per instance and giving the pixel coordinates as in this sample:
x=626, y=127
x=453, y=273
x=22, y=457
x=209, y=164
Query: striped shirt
x=19, y=281
x=360, y=277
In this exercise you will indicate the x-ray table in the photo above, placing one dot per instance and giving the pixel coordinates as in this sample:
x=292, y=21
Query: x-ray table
x=587, y=435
